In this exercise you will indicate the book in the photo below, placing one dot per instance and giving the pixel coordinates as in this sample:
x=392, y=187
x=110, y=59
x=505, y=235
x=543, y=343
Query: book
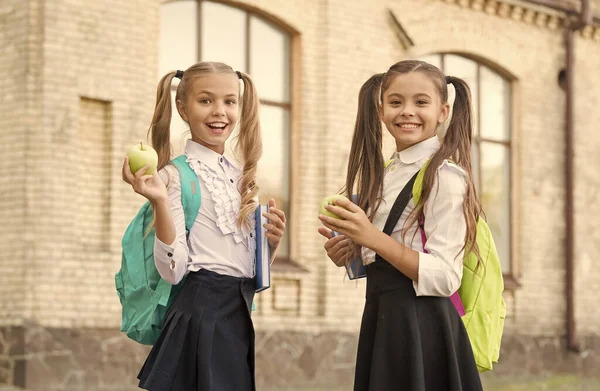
x=263, y=251
x=355, y=268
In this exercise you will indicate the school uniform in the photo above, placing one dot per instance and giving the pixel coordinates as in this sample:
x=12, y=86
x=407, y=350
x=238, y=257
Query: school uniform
x=207, y=342
x=412, y=337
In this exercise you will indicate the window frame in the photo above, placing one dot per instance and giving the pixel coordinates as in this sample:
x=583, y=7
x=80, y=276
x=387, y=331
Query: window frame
x=510, y=278
x=290, y=107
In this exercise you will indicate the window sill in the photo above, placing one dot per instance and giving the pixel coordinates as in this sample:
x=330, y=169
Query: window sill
x=511, y=282
x=287, y=265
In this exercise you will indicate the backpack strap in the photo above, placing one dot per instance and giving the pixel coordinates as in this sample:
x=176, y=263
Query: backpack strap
x=418, y=186
x=398, y=207
x=190, y=191
x=190, y=200
x=163, y=289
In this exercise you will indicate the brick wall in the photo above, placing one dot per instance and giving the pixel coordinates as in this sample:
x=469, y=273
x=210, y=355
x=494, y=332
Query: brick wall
x=88, y=84
x=12, y=146
x=587, y=186
x=105, y=51
x=20, y=112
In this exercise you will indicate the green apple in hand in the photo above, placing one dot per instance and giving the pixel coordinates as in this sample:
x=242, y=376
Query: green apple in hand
x=330, y=200
x=141, y=154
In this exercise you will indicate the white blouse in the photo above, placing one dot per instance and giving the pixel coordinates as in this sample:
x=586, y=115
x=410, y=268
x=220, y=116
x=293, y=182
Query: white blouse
x=215, y=241
x=440, y=270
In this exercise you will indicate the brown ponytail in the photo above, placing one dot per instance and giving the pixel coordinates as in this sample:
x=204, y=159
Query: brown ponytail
x=365, y=163
x=160, y=127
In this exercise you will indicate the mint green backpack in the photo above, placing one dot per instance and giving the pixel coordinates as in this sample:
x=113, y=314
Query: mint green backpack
x=480, y=292
x=145, y=297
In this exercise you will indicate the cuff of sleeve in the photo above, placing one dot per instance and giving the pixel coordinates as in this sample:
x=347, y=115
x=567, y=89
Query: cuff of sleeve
x=166, y=250
x=430, y=276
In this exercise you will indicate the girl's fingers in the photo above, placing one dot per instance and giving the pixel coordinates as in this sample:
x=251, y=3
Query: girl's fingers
x=126, y=171
x=325, y=233
x=273, y=229
x=333, y=241
x=341, y=252
x=342, y=260
x=278, y=212
x=333, y=223
x=142, y=171
x=348, y=205
x=340, y=211
x=275, y=219
x=345, y=259
x=273, y=240
x=342, y=244
x=331, y=227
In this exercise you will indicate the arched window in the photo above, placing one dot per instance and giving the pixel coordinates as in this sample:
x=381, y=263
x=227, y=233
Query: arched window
x=491, y=153
x=199, y=30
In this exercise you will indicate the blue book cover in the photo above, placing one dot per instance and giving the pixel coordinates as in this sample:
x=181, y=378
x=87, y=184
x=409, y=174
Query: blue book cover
x=263, y=252
x=355, y=268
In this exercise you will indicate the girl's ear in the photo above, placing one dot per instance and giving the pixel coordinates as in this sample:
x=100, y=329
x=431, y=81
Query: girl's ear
x=181, y=110
x=444, y=114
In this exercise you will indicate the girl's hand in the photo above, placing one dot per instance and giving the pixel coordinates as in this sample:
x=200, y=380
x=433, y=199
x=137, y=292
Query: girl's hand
x=149, y=186
x=339, y=248
x=276, y=225
x=354, y=223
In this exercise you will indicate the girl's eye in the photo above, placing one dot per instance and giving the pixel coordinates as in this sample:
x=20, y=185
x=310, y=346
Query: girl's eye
x=230, y=102
x=422, y=102
x=395, y=102
x=204, y=101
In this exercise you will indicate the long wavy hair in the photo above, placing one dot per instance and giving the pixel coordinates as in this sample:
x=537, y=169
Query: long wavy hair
x=366, y=164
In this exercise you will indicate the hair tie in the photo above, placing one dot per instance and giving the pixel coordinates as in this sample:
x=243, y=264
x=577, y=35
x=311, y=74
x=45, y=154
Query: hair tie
x=448, y=79
x=239, y=74
x=179, y=74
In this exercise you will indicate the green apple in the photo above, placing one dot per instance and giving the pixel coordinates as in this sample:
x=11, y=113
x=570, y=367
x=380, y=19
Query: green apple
x=141, y=154
x=330, y=200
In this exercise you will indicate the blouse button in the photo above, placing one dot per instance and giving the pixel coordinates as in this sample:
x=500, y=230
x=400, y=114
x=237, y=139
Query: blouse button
x=231, y=180
x=169, y=254
x=221, y=159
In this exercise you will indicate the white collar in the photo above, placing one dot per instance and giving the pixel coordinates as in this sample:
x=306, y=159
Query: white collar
x=422, y=150
x=207, y=156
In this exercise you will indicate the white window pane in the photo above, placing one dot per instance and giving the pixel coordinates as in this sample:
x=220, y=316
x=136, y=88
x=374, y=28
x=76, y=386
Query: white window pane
x=223, y=32
x=178, y=41
x=465, y=69
x=274, y=166
x=273, y=176
x=495, y=105
x=433, y=59
x=475, y=166
x=495, y=196
x=270, y=61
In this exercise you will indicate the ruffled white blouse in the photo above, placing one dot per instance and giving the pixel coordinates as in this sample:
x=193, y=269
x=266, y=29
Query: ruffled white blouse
x=216, y=242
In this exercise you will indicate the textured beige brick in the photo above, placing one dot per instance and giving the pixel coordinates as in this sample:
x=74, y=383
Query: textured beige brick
x=19, y=67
